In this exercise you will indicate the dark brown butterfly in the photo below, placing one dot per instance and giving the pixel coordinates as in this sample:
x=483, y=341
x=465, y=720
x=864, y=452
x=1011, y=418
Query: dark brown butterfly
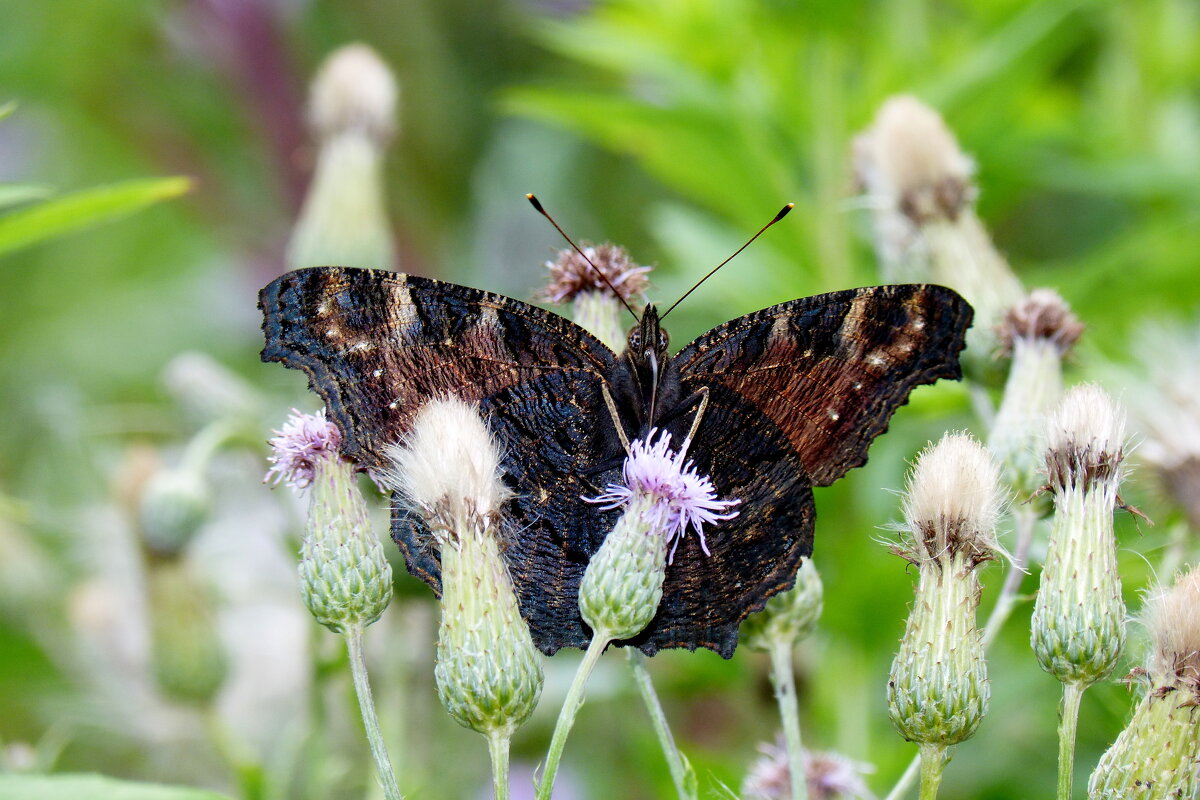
x=780, y=400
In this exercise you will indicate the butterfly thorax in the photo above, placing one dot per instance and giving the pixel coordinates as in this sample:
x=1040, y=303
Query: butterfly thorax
x=645, y=383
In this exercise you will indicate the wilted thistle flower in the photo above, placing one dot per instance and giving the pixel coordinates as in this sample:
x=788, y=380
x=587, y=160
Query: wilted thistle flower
x=1157, y=754
x=789, y=616
x=663, y=496
x=1038, y=332
x=1079, y=617
x=594, y=307
x=345, y=578
x=830, y=776
x=488, y=673
x=352, y=112
x=938, y=688
x=919, y=184
x=1167, y=410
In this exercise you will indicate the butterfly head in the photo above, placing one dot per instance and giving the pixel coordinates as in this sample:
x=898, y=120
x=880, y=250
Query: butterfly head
x=648, y=340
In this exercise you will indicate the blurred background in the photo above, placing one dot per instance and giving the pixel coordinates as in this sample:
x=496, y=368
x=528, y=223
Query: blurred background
x=129, y=338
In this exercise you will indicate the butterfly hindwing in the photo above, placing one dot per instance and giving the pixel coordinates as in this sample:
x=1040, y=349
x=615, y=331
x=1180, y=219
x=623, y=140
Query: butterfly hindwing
x=830, y=370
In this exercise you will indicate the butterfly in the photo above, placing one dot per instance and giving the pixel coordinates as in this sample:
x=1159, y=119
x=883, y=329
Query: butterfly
x=775, y=402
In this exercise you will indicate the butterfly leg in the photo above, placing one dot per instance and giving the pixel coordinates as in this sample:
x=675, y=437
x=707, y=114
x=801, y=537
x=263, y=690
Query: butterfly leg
x=701, y=396
x=616, y=419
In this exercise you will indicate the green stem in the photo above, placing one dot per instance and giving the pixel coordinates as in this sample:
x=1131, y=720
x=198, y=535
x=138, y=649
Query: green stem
x=934, y=758
x=366, y=705
x=498, y=749
x=1072, y=694
x=675, y=762
x=566, y=715
x=784, y=681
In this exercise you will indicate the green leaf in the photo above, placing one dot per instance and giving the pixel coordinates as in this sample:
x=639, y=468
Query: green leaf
x=93, y=787
x=14, y=194
x=82, y=209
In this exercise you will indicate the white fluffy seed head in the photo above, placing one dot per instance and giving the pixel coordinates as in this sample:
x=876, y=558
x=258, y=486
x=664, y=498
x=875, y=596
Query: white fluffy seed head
x=449, y=462
x=354, y=90
x=1173, y=619
x=952, y=502
x=909, y=158
x=1085, y=441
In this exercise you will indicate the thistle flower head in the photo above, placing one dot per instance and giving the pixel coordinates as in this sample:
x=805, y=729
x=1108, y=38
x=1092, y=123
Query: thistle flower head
x=830, y=776
x=952, y=502
x=1085, y=440
x=354, y=91
x=1173, y=618
x=450, y=464
x=174, y=504
x=789, y=616
x=910, y=159
x=488, y=674
x=1041, y=315
x=681, y=497
x=572, y=276
x=296, y=448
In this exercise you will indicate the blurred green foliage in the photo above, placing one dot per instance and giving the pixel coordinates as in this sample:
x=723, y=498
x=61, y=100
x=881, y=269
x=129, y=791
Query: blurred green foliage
x=676, y=128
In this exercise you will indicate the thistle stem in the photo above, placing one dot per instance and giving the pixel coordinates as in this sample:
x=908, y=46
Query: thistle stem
x=934, y=758
x=675, y=763
x=498, y=741
x=366, y=706
x=570, y=707
x=784, y=681
x=1072, y=694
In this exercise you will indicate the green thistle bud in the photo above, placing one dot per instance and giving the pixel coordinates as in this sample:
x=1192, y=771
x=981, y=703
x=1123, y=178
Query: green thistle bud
x=189, y=660
x=489, y=676
x=1038, y=332
x=1079, y=617
x=1156, y=755
x=345, y=578
x=663, y=496
x=788, y=616
x=175, y=503
x=353, y=108
x=938, y=689
x=623, y=583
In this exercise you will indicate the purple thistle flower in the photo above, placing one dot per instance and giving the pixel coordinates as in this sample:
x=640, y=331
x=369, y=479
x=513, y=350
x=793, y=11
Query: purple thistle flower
x=303, y=440
x=683, y=497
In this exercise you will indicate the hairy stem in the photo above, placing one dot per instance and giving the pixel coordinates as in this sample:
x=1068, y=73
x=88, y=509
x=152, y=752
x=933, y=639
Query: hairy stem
x=933, y=762
x=1072, y=694
x=498, y=749
x=570, y=707
x=783, y=680
x=366, y=706
x=675, y=762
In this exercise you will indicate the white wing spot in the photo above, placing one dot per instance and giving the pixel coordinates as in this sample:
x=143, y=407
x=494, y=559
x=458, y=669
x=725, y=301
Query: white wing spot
x=833, y=415
x=393, y=404
x=876, y=360
x=332, y=332
x=917, y=325
x=905, y=347
x=808, y=353
x=323, y=309
x=858, y=384
x=376, y=373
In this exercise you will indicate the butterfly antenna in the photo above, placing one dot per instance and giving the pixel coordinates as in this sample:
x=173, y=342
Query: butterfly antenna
x=538, y=206
x=783, y=212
